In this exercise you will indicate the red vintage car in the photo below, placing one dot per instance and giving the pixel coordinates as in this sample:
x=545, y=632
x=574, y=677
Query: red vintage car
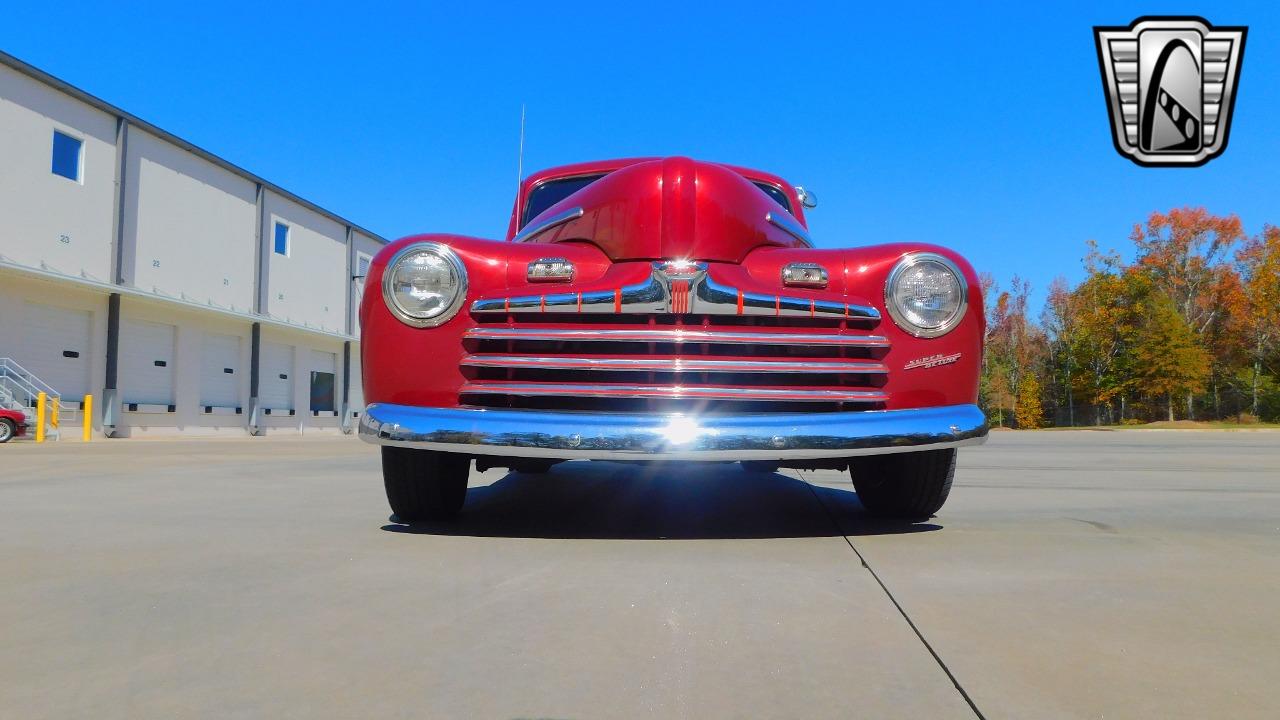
x=13, y=423
x=668, y=309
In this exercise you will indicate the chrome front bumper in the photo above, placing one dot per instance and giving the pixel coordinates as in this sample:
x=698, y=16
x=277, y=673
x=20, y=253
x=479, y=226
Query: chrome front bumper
x=621, y=436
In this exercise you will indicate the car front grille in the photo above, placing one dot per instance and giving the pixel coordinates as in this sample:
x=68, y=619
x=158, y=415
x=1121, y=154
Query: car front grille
x=705, y=364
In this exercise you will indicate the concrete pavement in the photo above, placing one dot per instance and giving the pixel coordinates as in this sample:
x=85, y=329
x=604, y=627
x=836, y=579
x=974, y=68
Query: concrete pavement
x=1074, y=575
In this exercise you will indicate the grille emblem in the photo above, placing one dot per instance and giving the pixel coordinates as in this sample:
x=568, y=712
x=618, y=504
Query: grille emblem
x=932, y=361
x=680, y=268
x=678, y=277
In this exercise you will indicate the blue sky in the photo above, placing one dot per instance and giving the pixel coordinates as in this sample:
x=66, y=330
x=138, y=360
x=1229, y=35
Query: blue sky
x=981, y=128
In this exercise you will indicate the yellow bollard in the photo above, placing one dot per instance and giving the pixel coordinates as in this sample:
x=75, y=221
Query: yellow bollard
x=40, y=402
x=55, y=408
x=88, y=417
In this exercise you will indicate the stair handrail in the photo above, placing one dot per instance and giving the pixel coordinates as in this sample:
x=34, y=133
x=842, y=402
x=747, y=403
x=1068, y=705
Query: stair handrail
x=8, y=400
x=17, y=382
x=10, y=368
x=20, y=388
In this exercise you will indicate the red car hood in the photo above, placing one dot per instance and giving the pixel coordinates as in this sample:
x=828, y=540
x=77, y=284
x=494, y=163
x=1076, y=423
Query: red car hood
x=674, y=208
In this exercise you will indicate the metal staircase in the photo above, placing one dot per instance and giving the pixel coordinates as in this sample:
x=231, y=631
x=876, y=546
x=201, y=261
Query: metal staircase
x=20, y=390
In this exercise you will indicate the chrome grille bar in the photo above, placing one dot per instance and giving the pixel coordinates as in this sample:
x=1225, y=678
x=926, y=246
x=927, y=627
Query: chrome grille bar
x=674, y=392
x=674, y=364
x=677, y=336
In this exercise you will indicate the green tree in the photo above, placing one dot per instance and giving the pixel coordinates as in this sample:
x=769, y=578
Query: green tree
x=1107, y=320
x=1170, y=363
x=1061, y=327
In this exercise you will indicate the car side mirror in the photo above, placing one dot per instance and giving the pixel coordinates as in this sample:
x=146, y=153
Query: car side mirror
x=807, y=198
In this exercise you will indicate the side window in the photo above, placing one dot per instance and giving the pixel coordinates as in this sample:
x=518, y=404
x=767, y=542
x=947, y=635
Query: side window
x=282, y=239
x=362, y=271
x=67, y=155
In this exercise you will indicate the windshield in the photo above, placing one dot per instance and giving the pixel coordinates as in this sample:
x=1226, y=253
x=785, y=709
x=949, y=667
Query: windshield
x=548, y=193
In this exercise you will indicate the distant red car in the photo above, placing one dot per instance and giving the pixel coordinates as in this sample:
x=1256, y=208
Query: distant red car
x=666, y=309
x=12, y=424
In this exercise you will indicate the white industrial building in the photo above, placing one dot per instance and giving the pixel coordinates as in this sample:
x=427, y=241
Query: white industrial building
x=183, y=292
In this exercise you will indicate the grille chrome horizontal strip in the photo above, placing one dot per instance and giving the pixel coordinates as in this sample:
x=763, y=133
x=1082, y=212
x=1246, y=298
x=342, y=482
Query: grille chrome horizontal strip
x=675, y=392
x=675, y=364
x=678, y=290
x=677, y=336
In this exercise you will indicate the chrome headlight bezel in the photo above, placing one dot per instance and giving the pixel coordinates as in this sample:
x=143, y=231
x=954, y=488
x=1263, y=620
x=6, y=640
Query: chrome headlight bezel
x=908, y=262
x=445, y=253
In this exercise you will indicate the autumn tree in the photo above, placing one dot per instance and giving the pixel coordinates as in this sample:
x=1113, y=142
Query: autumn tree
x=1184, y=253
x=1194, y=319
x=1015, y=347
x=1029, y=413
x=1259, y=266
x=1106, y=327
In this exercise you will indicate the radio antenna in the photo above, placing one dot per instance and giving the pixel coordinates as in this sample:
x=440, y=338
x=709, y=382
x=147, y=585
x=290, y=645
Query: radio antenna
x=520, y=156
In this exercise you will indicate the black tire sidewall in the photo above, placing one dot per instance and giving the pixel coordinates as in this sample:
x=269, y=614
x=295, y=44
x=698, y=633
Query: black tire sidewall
x=905, y=486
x=424, y=484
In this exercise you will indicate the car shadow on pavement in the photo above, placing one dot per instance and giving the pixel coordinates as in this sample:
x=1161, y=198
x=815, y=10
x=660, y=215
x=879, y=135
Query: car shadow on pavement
x=612, y=501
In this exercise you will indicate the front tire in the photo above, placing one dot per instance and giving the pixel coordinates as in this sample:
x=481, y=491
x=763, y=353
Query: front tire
x=7, y=430
x=905, y=486
x=424, y=484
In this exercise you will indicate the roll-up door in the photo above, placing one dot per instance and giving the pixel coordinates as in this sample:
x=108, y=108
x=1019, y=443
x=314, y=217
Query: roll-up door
x=146, y=363
x=55, y=348
x=275, y=378
x=220, y=371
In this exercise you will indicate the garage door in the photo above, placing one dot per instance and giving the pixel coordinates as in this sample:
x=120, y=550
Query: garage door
x=55, y=348
x=146, y=362
x=275, y=379
x=220, y=371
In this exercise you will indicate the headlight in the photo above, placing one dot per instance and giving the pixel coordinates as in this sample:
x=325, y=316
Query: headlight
x=424, y=284
x=926, y=294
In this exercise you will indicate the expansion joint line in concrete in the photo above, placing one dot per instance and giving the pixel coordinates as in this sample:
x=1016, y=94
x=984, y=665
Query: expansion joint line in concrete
x=901, y=610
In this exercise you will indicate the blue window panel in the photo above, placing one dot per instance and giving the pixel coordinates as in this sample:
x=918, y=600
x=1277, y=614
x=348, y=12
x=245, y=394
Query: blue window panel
x=282, y=239
x=66, y=156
